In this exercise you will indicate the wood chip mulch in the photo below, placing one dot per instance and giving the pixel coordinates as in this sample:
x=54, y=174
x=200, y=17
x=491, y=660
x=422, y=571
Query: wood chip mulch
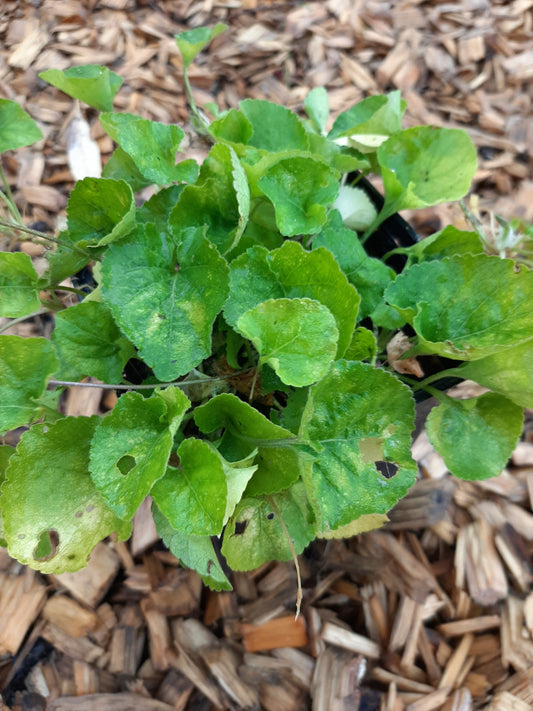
x=435, y=611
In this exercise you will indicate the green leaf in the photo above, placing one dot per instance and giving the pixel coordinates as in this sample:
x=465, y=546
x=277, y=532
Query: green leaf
x=255, y=535
x=165, y=296
x=446, y=243
x=26, y=365
x=121, y=167
x=6, y=453
x=151, y=145
x=363, y=345
x=245, y=429
x=17, y=128
x=292, y=272
x=424, y=166
x=193, y=495
x=63, y=262
x=358, y=420
x=191, y=42
x=219, y=201
x=157, y=209
x=316, y=105
x=296, y=337
x=490, y=309
x=508, y=372
x=194, y=552
x=53, y=514
x=275, y=128
x=476, y=437
x=88, y=342
x=368, y=275
x=131, y=447
x=370, y=122
x=19, y=295
x=300, y=188
x=100, y=211
x=93, y=84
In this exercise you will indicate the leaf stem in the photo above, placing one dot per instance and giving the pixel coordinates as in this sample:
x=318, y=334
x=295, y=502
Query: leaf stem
x=146, y=386
x=8, y=198
x=424, y=384
x=20, y=319
x=42, y=236
x=293, y=553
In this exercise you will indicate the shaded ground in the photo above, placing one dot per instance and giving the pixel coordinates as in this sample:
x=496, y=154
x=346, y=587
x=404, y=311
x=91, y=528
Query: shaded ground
x=436, y=611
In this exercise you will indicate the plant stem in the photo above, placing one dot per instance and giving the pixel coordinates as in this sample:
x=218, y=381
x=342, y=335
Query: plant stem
x=424, y=384
x=293, y=553
x=47, y=238
x=20, y=319
x=8, y=197
x=202, y=127
x=152, y=386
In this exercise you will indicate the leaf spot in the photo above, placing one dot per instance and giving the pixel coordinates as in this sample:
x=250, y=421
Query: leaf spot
x=388, y=469
x=270, y=516
x=240, y=528
x=89, y=508
x=47, y=546
x=79, y=514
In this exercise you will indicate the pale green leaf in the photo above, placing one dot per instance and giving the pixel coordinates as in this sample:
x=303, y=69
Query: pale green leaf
x=131, y=447
x=53, y=513
x=358, y=420
x=26, y=365
x=426, y=165
x=370, y=122
x=255, y=535
x=476, y=437
x=490, y=309
x=19, y=295
x=296, y=337
x=316, y=105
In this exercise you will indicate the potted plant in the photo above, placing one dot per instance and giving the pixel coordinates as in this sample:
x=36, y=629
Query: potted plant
x=282, y=355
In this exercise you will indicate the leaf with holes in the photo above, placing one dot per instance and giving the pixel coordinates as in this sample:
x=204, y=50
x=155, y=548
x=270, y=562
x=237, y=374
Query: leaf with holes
x=19, y=295
x=245, y=430
x=490, y=309
x=477, y=436
x=292, y=272
x=87, y=341
x=53, y=513
x=165, y=296
x=358, y=420
x=93, y=84
x=255, y=534
x=195, y=552
x=131, y=447
x=296, y=337
x=26, y=365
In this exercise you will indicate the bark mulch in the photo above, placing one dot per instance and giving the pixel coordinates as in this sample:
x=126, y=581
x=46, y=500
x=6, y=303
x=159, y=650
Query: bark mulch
x=435, y=611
